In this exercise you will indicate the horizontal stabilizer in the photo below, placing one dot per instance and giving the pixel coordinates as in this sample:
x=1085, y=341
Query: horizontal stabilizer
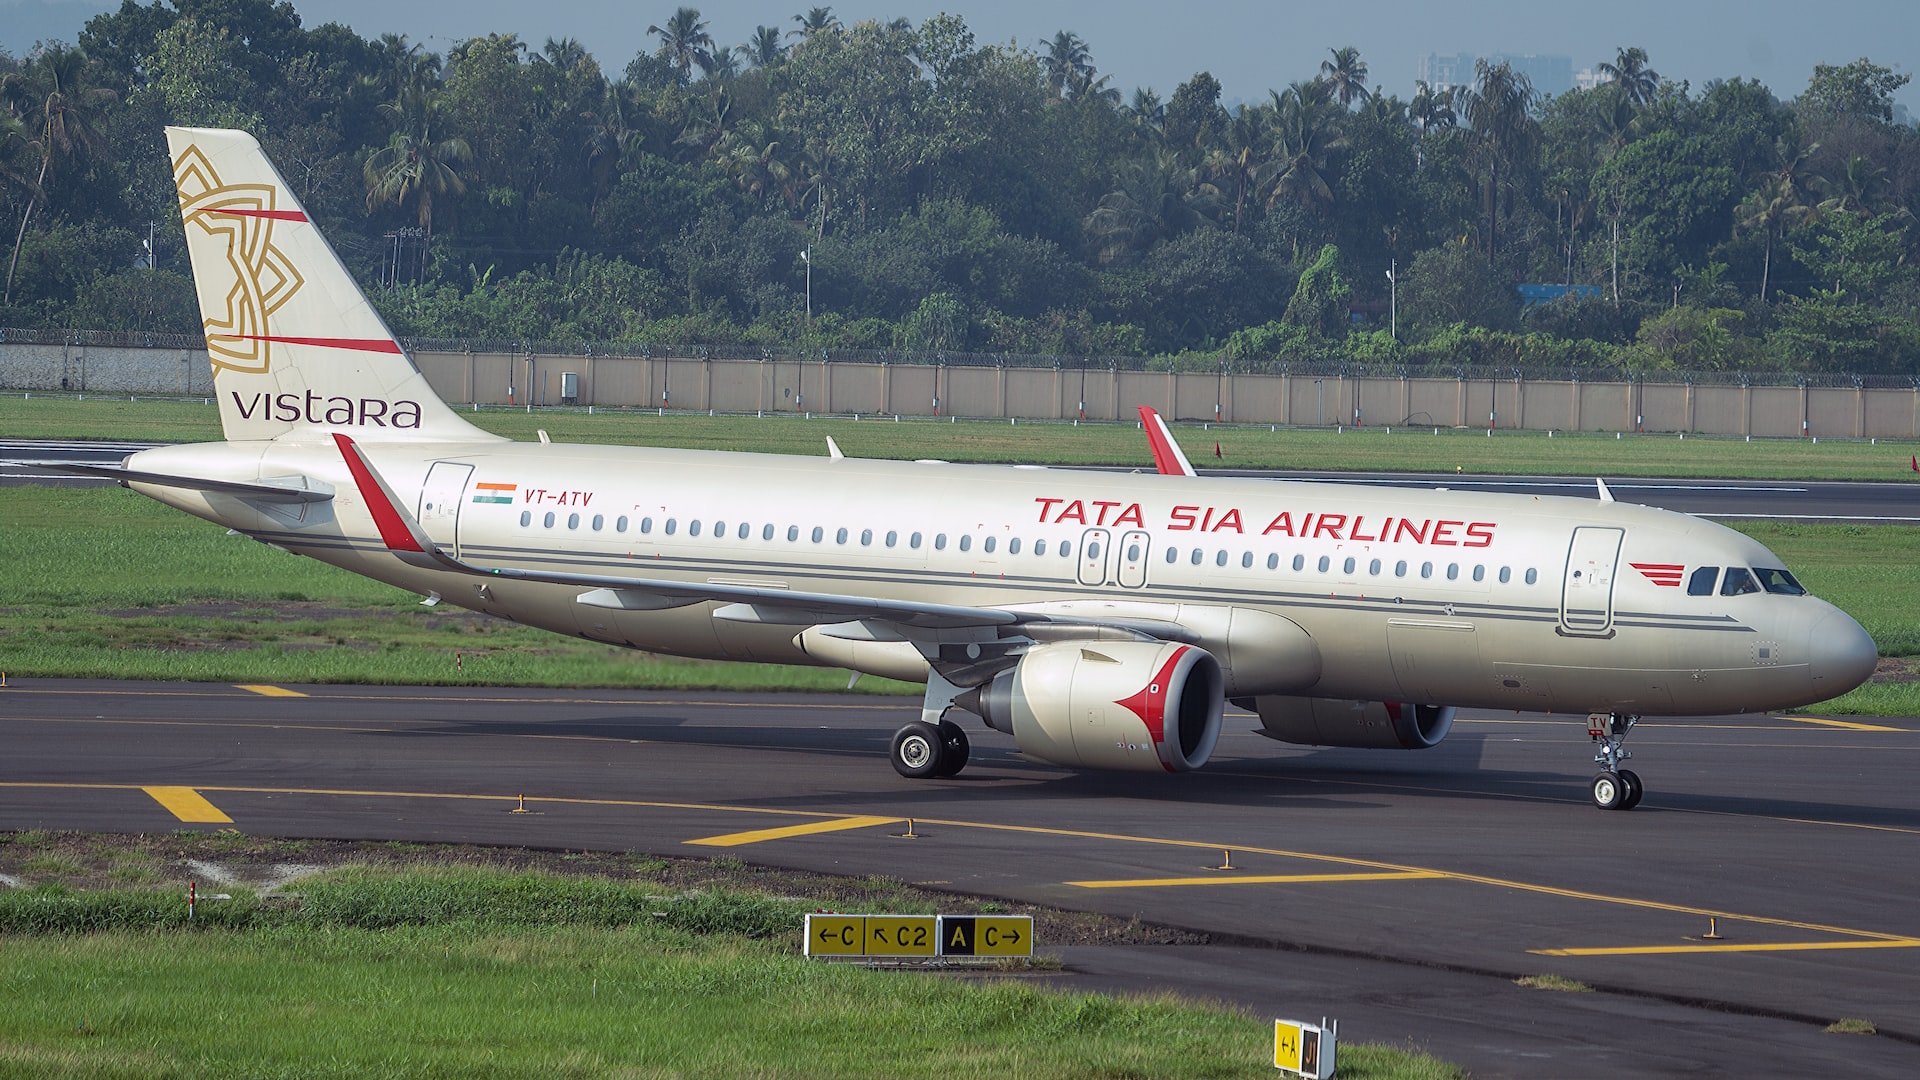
x=292, y=489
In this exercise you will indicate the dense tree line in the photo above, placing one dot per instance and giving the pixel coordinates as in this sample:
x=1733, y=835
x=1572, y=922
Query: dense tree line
x=885, y=185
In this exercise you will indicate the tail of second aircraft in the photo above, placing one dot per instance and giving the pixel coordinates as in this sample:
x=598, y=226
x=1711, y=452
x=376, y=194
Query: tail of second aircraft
x=297, y=349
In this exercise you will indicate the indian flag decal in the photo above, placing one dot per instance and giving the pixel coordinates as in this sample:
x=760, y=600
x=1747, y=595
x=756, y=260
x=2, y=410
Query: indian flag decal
x=1667, y=574
x=493, y=493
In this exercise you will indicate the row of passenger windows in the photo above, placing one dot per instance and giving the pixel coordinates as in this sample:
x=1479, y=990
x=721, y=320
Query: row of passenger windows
x=989, y=544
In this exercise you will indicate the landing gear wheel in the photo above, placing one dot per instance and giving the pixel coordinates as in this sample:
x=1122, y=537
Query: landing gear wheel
x=1634, y=789
x=918, y=751
x=1609, y=791
x=953, y=749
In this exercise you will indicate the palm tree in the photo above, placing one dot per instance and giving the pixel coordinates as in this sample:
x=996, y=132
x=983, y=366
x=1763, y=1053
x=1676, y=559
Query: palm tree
x=684, y=41
x=54, y=100
x=1147, y=111
x=1066, y=59
x=1154, y=200
x=719, y=65
x=417, y=164
x=1432, y=108
x=1780, y=201
x=1241, y=158
x=815, y=21
x=1305, y=132
x=763, y=49
x=1347, y=74
x=565, y=53
x=1629, y=72
x=1854, y=190
x=1497, y=112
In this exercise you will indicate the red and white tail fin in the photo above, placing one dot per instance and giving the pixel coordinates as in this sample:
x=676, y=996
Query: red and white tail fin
x=297, y=349
x=1167, y=457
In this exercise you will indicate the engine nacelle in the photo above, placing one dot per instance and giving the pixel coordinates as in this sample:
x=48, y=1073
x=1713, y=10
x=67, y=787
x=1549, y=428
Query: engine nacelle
x=1143, y=706
x=1333, y=722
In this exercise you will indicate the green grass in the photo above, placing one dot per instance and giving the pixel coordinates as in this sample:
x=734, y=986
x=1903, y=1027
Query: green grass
x=1252, y=446
x=104, y=583
x=469, y=972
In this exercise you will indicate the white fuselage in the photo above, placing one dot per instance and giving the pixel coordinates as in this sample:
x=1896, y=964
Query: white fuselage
x=1321, y=590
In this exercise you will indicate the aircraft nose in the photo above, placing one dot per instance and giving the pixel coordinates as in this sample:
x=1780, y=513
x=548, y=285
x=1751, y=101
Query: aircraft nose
x=1841, y=654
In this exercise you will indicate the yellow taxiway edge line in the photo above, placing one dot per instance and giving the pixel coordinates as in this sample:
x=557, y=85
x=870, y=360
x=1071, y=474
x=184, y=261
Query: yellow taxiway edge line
x=811, y=827
x=1778, y=946
x=268, y=691
x=186, y=804
x=1264, y=879
x=1847, y=725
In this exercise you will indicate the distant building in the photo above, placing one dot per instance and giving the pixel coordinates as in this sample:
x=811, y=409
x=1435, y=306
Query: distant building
x=1549, y=74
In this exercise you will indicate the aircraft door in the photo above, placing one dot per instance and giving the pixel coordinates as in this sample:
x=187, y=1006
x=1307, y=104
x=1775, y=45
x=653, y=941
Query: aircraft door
x=439, y=510
x=1131, y=553
x=1095, y=553
x=1586, y=596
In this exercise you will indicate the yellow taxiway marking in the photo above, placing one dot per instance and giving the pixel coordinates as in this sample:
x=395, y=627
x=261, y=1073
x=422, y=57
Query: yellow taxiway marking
x=268, y=691
x=1264, y=879
x=1778, y=946
x=186, y=804
x=1210, y=846
x=1844, y=724
x=759, y=835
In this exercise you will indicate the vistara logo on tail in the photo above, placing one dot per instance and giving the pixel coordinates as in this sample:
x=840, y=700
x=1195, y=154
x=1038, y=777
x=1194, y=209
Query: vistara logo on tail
x=244, y=217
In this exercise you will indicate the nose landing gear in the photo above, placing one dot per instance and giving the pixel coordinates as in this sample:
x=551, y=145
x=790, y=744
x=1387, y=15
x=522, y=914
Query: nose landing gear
x=1614, y=788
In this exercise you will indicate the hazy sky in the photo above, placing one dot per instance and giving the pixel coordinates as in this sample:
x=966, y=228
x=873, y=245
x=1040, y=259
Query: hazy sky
x=1249, y=46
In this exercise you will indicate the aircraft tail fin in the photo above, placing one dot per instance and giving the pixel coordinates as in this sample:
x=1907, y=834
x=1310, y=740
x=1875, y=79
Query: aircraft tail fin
x=297, y=349
x=1168, y=458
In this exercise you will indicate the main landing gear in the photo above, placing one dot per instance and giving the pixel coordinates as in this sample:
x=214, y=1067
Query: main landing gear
x=921, y=749
x=1614, y=788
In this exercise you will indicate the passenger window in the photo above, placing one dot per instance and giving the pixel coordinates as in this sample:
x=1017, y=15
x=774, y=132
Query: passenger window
x=840, y=535
x=987, y=545
x=1738, y=582
x=745, y=529
x=1066, y=549
x=1013, y=546
x=1347, y=567
x=1532, y=575
x=966, y=542
x=819, y=534
x=598, y=520
x=1299, y=563
x=1479, y=573
x=1173, y=555
x=1779, y=582
x=548, y=522
x=719, y=530
x=1220, y=557
x=1039, y=547
x=1426, y=569
x=940, y=542
x=1506, y=574
x=1700, y=582
x=693, y=527
x=866, y=537
x=893, y=538
x=1273, y=562
x=1453, y=571
x=1093, y=551
x=620, y=523
x=646, y=524
x=793, y=534
x=1374, y=568
x=1246, y=559
x=526, y=518
x=1197, y=556
x=573, y=521
x=1325, y=563
x=914, y=541
x=766, y=532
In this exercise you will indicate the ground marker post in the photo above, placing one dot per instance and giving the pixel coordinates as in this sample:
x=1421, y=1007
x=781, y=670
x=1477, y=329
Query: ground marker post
x=1713, y=929
x=190, y=899
x=522, y=808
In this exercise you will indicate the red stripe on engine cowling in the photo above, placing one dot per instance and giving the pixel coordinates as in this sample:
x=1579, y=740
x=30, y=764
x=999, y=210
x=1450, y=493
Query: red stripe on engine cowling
x=1150, y=705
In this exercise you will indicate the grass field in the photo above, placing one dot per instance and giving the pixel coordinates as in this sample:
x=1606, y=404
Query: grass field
x=1371, y=449
x=104, y=583
x=455, y=970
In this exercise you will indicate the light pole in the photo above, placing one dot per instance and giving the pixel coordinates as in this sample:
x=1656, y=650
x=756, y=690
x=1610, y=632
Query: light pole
x=1393, y=298
x=806, y=256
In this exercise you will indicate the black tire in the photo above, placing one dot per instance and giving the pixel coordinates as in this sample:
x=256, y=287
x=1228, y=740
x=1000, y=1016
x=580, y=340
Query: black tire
x=1608, y=791
x=918, y=751
x=1634, y=789
x=953, y=748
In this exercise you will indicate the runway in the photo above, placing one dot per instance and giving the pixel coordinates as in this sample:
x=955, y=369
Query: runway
x=1398, y=892
x=25, y=461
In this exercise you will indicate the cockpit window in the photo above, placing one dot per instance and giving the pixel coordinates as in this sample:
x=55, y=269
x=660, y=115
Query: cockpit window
x=1738, y=582
x=1701, y=583
x=1778, y=581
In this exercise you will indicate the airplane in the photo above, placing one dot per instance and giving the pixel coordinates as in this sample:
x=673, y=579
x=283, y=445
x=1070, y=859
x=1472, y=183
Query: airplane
x=1103, y=621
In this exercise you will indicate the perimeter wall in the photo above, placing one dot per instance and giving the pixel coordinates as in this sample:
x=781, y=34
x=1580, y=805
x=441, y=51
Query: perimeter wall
x=1823, y=406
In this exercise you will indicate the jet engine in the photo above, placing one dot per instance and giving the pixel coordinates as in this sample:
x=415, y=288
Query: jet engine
x=1132, y=705
x=1376, y=725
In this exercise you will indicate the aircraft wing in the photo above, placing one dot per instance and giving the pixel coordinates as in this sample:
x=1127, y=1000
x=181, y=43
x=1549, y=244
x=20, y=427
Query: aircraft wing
x=1167, y=456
